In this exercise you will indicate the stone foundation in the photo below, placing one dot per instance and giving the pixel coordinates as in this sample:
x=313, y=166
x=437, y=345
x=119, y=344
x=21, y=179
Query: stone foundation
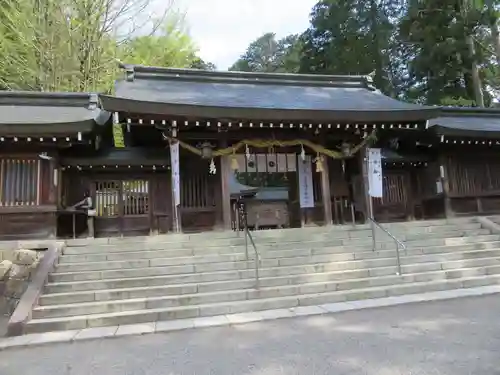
x=16, y=270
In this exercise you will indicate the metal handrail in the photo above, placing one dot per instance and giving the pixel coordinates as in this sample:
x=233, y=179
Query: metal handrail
x=241, y=218
x=257, y=254
x=399, y=244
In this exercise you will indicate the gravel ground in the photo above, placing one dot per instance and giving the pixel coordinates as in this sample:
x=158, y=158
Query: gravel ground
x=454, y=337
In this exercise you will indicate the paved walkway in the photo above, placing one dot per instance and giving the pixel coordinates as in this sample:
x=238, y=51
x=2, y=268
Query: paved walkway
x=453, y=337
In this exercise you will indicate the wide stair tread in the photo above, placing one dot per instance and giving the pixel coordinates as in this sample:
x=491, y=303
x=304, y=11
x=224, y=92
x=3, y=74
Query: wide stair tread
x=193, y=290
x=269, y=264
x=220, y=308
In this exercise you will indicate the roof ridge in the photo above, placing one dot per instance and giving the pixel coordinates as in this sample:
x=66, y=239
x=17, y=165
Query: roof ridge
x=133, y=72
x=55, y=99
x=472, y=111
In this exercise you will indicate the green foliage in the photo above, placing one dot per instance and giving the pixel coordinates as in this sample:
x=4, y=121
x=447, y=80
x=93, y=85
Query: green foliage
x=416, y=50
x=199, y=63
x=434, y=34
x=352, y=37
x=266, y=54
x=170, y=47
x=72, y=45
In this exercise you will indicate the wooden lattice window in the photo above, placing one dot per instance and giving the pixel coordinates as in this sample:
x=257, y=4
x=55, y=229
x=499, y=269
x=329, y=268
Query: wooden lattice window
x=19, y=182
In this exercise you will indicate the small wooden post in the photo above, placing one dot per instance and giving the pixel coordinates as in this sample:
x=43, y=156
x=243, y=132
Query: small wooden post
x=225, y=166
x=364, y=171
x=325, y=190
x=443, y=174
x=54, y=182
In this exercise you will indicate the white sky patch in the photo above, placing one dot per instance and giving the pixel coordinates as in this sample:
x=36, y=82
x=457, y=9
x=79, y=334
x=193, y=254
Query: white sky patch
x=223, y=29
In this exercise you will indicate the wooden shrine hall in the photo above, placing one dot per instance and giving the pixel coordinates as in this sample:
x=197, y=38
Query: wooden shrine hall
x=173, y=149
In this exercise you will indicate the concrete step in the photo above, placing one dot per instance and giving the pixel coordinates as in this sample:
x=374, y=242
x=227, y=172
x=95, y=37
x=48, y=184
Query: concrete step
x=166, y=242
x=306, y=248
x=275, y=233
x=157, y=267
x=383, y=242
x=56, y=287
x=163, y=289
x=218, y=308
x=234, y=276
x=296, y=254
x=153, y=302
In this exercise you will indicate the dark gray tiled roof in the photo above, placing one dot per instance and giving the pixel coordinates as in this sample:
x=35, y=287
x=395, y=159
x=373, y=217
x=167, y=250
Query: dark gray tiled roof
x=349, y=95
x=53, y=109
x=471, y=121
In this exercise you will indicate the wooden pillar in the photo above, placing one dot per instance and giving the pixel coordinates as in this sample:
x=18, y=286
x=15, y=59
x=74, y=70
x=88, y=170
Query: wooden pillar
x=364, y=173
x=325, y=190
x=175, y=184
x=443, y=173
x=54, y=182
x=225, y=169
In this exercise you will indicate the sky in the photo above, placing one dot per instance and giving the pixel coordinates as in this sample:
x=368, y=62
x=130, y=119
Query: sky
x=223, y=29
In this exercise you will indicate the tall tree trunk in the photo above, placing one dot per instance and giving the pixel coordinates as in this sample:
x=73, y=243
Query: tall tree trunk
x=495, y=39
x=476, y=80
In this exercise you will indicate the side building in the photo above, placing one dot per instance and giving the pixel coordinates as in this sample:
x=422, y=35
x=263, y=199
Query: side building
x=34, y=129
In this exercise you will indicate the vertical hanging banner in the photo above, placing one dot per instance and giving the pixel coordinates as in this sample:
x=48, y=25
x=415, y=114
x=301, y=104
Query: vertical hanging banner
x=375, y=182
x=305, y=182
x=118, y=138
x=176, y=180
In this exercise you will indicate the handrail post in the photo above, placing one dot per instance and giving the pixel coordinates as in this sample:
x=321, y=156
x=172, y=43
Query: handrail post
x=398, y=258
x=374, y=240
x=399, y=244
x=243, y=219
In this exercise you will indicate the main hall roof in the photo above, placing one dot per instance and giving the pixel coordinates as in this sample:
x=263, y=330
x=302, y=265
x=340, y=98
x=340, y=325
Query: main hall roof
x=263, y=96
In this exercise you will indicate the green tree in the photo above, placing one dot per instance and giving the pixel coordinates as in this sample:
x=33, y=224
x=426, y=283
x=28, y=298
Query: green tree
x=353, y=37
x=170, y=46
x=199, y=63
x=267, y=54
x=443, y=64
x=74, y=45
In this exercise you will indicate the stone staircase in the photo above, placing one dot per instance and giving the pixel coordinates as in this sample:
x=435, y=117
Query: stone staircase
x=145, y=279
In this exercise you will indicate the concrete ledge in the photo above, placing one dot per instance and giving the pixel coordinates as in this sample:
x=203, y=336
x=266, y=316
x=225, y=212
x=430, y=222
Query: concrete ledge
x=235, y=319
x=22, y=313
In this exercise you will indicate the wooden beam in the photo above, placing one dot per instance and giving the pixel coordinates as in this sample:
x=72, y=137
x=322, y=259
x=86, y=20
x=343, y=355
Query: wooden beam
x=225, y=166
x=443, y=173
x=364, y=172
x=237, y=134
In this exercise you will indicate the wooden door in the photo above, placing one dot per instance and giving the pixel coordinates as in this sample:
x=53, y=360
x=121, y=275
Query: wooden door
x=122, y=207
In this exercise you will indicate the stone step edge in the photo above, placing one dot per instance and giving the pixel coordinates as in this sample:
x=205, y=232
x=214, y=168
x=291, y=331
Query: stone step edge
x=239, y=250
x=224, y=235
x=309, y=261
x=267, y=288
x=266, y=255
x=385, y=240
x=292, y=299
x=408, y=253
x=39, y=339
x=167, y=276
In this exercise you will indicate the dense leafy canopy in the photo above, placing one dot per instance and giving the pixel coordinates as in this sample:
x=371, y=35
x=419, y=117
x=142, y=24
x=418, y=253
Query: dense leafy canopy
x=75, y=45
x=429, y=51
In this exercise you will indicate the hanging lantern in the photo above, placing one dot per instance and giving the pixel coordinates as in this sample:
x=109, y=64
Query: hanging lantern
x=319, y=163
x=234, y=162
x=206, y=150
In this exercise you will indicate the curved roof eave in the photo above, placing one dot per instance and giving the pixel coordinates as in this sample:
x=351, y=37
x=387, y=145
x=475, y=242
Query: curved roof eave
x=117, y=104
